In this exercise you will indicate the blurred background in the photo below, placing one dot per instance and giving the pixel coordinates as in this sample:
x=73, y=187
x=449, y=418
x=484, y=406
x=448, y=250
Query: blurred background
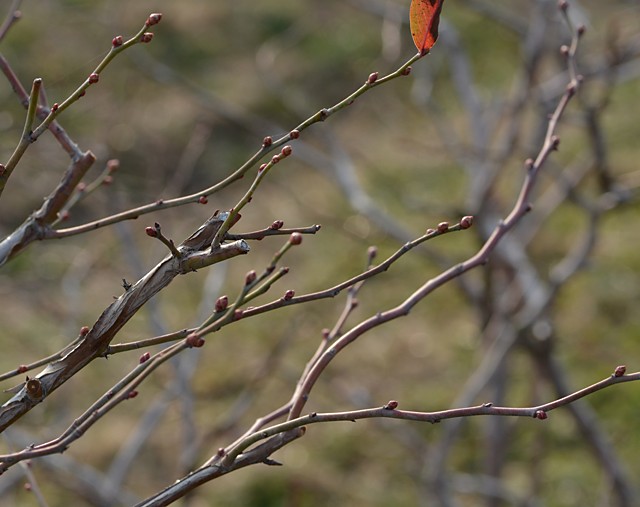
x=554, y=311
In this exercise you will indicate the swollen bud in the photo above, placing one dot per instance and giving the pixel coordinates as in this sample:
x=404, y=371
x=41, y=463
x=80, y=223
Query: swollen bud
x=146, y=37
x=443, y=227
x=267, y=141
x=391, y=405
x=373, y=77
x=145, y=357
x=540, y=414
x=620, y=371
x=93, y=78
x=289, y=295
x=154, y=19
x=221, y=304
x=151, y=231
x=117, y=41
x=250, y=277
x=466, y=222
x=295, y=238
x=203, y=199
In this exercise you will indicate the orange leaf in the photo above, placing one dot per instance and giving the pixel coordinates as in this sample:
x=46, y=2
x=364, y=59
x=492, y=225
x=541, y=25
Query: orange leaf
x=424, y=17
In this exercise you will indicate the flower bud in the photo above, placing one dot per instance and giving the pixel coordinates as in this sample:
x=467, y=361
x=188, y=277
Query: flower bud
x=466, y=222
x=221, y=304
x=203, y=199
x=154, y=19
x=117, y=41
x=146, y=37
x=295, y=238
x=145, y=357
x=443, y=227
x=288, y=295
x=620, y=371
x=250, y=277
x=294, y=134
x=151, y=231
x=373, y=77
x=267, y=141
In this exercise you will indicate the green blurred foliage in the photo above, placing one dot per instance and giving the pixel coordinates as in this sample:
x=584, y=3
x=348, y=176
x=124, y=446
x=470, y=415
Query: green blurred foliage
x=233, y=72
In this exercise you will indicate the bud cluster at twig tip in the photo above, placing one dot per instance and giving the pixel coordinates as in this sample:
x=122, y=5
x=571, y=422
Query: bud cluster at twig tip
x=117, y=41
x=94, y=78
x=294, y=134
x=153, y=19
x=540, y=414
x=466, y=222
x=221, y=304
x=391, y=405
x=267, y=141
x=295, y=238
x=203, y=199
x=443, y=227
x=288, y=295
x=146, y=37
x=620, y=370
x=373, y=77
x=145, y=357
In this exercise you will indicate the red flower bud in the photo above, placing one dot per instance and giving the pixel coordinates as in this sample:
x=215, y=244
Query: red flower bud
x=443, y=226
x=295, y=238
x=373, y=77
x=117, y=41
x=294, y=134
x=145, y=357
x=466, y=222
x=154, y=19
x=250, y=277
x=391, y=405
x=133, y=394
x=146, y=37
x=267, y=141
x=22, y=368
x=620, y=371
x=94, y=78
x=203, y=199
x=277, y=224
x=289, y=294
x=406, y=71
x=540, y=414
x=84, y=330
x=193, y=340
x=151, y=231
x=286, y=151
x=221, y=304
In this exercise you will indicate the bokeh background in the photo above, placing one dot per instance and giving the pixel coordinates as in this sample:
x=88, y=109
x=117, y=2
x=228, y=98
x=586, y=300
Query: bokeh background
x=186, y=110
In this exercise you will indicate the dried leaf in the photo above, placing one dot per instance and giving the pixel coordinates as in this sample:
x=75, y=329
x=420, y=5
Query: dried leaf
x=424, y=17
